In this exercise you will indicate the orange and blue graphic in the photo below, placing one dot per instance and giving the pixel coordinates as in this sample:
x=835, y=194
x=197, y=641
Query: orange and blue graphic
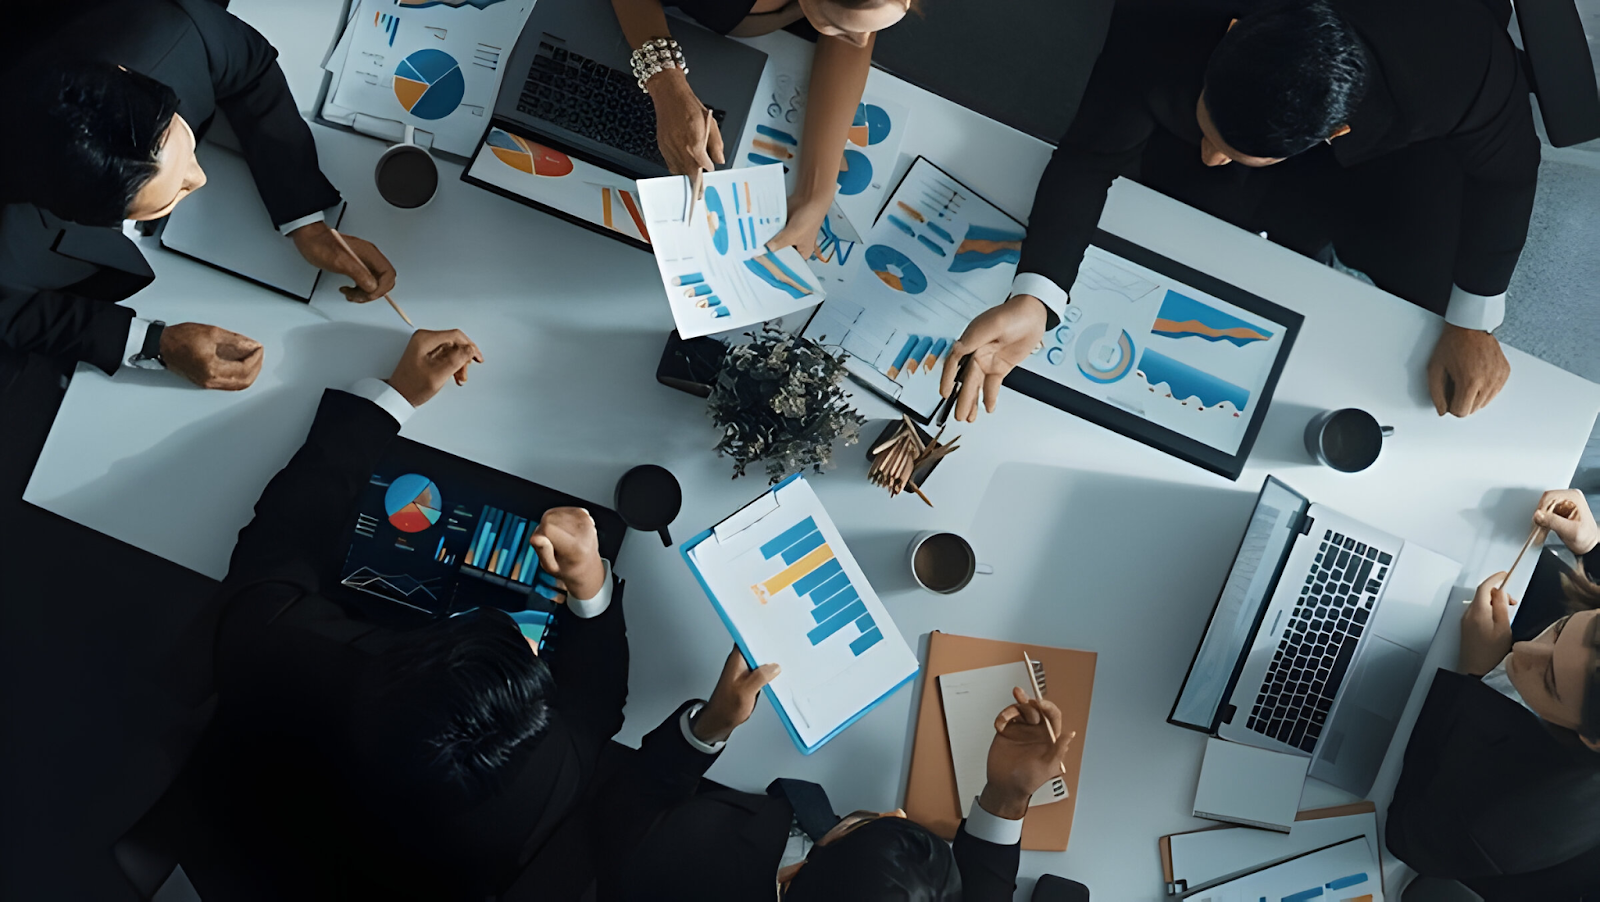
x=429, y=84
x=984, y=248
x=855, y=172
x=870, y=126
x=388, y=23
x=919, y=351
x=528, y=156
x=412, y=503
x=716, y=220
x=895, y=269
x=811, y=571
x=1185, y=317
x=769, y=269
x=1100, y=358
x=1184, y=382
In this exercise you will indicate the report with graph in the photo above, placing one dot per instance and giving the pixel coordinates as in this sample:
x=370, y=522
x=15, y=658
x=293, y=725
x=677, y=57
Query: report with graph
x=788, y=589
x=712, y=250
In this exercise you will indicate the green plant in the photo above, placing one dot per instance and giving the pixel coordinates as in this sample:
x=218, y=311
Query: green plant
x=778, y=398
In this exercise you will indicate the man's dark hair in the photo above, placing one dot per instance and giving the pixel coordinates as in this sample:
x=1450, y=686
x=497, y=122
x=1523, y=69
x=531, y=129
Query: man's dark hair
x=1589, y=719
x=91, y=135
x=890, y=859
x=461, y=695
x=1285, y=78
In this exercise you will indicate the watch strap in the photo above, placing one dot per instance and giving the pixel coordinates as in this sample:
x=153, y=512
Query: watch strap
x=151, y=349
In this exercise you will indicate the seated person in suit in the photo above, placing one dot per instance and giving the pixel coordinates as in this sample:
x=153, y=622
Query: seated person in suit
x=1502, y=773
x=673, y=843
x=1399, y=135
x=844, y=31
x=352, y=758
x=104, y=122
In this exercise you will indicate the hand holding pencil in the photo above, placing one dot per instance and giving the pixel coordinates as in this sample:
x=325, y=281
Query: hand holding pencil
x=1566, y=513
x=1029, y=750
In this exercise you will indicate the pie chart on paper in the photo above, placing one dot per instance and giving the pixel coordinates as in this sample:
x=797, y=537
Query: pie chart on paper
x=429, y=84
x=412, y=503
x=526, y=156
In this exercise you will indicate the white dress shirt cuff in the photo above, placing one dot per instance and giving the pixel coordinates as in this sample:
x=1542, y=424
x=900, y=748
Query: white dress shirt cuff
x=293, y=224
x=1042, y=288
x=136, y=329
x=384, y=395
x=1474, y=311
x=992, y=827
x=710, y=748
x=586, y=608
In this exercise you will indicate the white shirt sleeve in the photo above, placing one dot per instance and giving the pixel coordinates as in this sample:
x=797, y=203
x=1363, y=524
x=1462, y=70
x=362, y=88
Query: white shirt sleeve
x=1042, y=288
x=586, y=608
x=136, y=329
x=293, y=224
x=384, y=395
x=710, y=748
x=1475, y=311
x=992, y=827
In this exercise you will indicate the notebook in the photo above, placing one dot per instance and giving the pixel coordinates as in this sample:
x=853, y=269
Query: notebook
x=972, y=699
x=932, y=798
x=226, y=225
x=1343, y=872
x=1246, y=785
x=789, y=591
x=1199, y=858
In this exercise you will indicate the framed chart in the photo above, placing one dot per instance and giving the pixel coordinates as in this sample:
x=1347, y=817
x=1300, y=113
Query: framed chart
x=1163, y=354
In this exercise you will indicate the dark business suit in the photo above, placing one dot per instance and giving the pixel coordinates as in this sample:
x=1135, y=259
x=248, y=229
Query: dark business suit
x=299, y=767
x=1433, y=185
x=670, y=843
x=1489, y=797
x=59, y=281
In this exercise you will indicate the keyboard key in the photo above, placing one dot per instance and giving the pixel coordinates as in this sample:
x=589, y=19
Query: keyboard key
x=1384, y=558
x=1338, y=538
x=1361, y=548
x=1319, y=717
x=1297, y=735
x=1344, y=558
x=1327, y=534
x=1349, y=543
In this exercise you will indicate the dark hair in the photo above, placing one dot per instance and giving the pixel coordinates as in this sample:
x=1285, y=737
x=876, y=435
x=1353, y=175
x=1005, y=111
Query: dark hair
x=1285, y=78
x=95, y=131
x=890, y=859
x=462, y=694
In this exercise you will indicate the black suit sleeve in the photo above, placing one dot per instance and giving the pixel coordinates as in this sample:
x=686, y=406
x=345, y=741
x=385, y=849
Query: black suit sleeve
x=589, y=659
x=64, y=325
x=298, y=530
x=251, y=89
x=988, y=870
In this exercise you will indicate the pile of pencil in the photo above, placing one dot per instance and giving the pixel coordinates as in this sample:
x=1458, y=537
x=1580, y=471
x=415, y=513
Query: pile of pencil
x=896, y=459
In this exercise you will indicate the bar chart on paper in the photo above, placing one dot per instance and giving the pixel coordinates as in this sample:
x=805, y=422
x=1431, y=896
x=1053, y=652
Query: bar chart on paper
x=788, y=589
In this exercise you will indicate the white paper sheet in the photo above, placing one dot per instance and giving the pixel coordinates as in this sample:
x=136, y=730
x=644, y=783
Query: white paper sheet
x=529, y=169
x=972, y=699
x=1209, y=856
x=712, y=253
x=1347, y=872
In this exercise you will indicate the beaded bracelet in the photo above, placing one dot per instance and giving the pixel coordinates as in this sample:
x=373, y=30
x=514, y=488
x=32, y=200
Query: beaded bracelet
x=655, y=55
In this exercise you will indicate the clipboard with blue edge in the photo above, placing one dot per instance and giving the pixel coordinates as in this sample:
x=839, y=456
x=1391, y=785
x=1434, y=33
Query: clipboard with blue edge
x=808, y=569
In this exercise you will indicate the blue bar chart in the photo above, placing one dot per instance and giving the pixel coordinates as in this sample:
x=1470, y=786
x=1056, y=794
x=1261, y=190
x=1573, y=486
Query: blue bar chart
x=812, y=572
x=500, y=550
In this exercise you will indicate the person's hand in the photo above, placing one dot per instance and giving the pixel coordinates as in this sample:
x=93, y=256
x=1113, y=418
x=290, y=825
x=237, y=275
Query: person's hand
x=211, y=357
x=1022, y=758
x=431, y=359
x=1486, y=628
x=733, y=700
x=998, y=339
x=1467, y=370
x=1566, y=513
x=805, y=221
x=370, y=269
x=569, y=550
x=689, y=139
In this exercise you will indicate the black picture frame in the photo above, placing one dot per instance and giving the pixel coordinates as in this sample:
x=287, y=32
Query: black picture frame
x=1141, y=430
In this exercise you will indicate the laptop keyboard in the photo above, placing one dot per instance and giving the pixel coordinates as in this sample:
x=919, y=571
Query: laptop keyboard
x=592, y=99
x=1315, y=651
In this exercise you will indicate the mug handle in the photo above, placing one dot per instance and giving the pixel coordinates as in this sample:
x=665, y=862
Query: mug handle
x=411, y=134
x=984, y=570
x=1387, y=430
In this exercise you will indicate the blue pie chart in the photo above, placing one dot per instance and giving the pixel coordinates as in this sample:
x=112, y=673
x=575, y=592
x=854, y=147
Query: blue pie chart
x=429, y=84
x=895, y=269
x=855, y=174
x=716, y=220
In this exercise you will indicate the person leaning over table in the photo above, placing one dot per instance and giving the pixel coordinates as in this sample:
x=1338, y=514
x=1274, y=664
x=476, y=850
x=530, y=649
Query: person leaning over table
x=658, y=839
x=352, y=759
x=1502, y=773
x=104, y=119
x=845, y=31
x=1399, y=135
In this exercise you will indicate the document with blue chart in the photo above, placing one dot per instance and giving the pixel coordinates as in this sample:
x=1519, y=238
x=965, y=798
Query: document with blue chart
x=790, y=592
x=712, y=251
x=440, y=535
x=937, y=256
x=1348, y=871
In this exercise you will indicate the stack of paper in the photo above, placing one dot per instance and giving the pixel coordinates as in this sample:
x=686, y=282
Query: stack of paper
x=435, y=65
x=1345, y=872
x=972, y=699
x=1204, y=858
x=1251, y=786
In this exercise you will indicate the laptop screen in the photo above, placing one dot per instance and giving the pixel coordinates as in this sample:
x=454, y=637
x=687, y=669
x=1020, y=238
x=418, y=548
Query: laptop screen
x=1266, y=545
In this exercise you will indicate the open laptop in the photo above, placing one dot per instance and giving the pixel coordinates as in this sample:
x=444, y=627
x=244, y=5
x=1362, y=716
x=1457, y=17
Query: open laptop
x=1317, y=638
x=570, y=86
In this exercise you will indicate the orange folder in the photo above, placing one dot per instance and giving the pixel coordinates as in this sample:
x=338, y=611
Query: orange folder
x=931, y=788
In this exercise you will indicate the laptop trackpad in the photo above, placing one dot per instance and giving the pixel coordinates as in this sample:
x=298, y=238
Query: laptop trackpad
x=1371, y=707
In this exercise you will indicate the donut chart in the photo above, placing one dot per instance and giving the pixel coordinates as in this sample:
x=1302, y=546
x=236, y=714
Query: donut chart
x=895, y=269
x=716, y=220
x=855, y=172
x=1101, y=358
x=429, y=84
x=412, y=503
x=525, y=156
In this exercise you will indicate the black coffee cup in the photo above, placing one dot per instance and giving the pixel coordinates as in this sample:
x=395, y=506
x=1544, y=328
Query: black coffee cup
x=1347, y=440
x=943, y=562
x=406, y=175
x=648, y=499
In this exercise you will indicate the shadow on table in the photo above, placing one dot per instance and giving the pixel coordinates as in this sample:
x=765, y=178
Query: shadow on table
x=1281, y=440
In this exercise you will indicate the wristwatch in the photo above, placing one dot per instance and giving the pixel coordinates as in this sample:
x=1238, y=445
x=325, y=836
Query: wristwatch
x=149, y=356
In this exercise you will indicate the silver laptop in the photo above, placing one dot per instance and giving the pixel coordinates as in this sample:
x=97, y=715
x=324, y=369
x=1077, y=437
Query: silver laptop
x=1317, y=638
x=570, y=85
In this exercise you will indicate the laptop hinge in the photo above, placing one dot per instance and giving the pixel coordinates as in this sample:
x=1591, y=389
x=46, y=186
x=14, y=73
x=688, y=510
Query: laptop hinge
x=1306, y=522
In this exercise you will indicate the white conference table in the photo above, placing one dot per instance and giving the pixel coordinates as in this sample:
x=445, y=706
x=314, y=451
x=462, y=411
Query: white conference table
x=1098, y=542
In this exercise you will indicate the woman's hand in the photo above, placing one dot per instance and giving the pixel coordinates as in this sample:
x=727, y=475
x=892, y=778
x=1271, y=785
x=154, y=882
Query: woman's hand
x=805, y=221
x=689, y=139
x=1486, y=628
x=1566, y=513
